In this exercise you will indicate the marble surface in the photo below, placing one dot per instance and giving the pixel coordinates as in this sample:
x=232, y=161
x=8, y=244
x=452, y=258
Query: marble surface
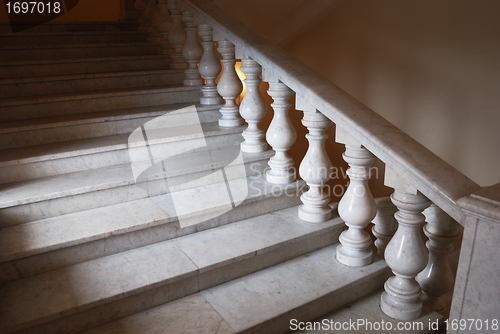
x=16, y=69
x=307, y=284
x=82, y=102
x=90, y=284
x=37, y=86
x=476, y=293
x=82, y=287
x=64, y=231
x=367, y=308
x=189, y=315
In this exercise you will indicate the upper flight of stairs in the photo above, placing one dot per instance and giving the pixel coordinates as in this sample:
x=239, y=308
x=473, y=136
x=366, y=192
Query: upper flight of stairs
x=86, y=245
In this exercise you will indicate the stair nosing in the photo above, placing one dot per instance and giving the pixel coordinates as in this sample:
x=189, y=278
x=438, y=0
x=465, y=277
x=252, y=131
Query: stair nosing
x=76, y=60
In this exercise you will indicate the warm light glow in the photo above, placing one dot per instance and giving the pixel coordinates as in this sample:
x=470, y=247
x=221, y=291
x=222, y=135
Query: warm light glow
x=242, y=77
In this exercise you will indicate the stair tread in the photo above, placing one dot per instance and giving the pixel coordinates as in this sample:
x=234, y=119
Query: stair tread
x=95, y=117
x=94, y=95
x=85, y=76
x=74, y=46
x=80, y=227
x=35, y=190
x=76, y=60
x=98, y=281
x=231, y=306
x=59, y=150
x=71, y=33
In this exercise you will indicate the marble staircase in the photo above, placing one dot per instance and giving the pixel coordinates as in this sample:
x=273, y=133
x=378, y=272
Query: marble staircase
x=84, y=242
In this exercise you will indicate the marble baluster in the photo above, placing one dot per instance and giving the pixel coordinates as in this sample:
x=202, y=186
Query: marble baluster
x=151, y=15
x=192, y=51
x=316, y=167
x=385, y=224
x=357, y=207
x=253, y=108
x=405, y=254
x=163, y=25
x=209, y=66
x=140, y=6
x=437, y=278
x=176, y=36
x=229, y=86
x=281, y=134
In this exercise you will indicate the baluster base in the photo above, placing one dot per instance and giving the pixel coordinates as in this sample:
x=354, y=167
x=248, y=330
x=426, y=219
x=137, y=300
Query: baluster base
x=406, y=306
x=315, y=209
x=360, y=259
x=280, y=178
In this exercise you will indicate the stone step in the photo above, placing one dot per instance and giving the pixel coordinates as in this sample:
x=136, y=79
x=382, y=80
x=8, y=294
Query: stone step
x=76, y=103
x=9, y=53
x=6, y=27
x=74, y=37
x=40, y=198
x=368, y=318
x=94, y=124
x=41, y=161
x=58, y=242
x=91, y=293
x=266, y=301
x=36, y=86
x=48, y=67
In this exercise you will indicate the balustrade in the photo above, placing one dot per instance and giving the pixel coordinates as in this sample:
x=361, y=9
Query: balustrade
x=420, y=275
x=162, y=27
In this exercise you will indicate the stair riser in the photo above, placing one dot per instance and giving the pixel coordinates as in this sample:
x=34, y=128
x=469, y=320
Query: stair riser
x=72, y=39
x=67, y=256
x=98, y=128
x=135, y=302
x=77, y=52
x=127, y=191
x=82, y=67
x=57, y=108
x=91, y=84
x=117, y=156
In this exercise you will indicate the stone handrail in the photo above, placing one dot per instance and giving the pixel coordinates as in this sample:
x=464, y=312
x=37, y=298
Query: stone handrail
x=433, y=177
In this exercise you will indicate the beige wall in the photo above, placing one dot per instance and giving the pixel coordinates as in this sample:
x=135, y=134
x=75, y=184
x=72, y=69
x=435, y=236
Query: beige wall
x=431, y=67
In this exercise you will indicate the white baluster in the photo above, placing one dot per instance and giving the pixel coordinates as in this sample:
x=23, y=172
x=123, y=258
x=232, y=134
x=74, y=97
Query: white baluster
x=385, y=224
x=192, y=51
x=229, y=86
x=176, y=36
x=405, y=254
x=163, y=24
x=151, y=15
x=140, y=6
x=209, y=67
x=357, y=207
x=316, y=167
x=437, y=278
x=253, y=107
x=280, y=135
